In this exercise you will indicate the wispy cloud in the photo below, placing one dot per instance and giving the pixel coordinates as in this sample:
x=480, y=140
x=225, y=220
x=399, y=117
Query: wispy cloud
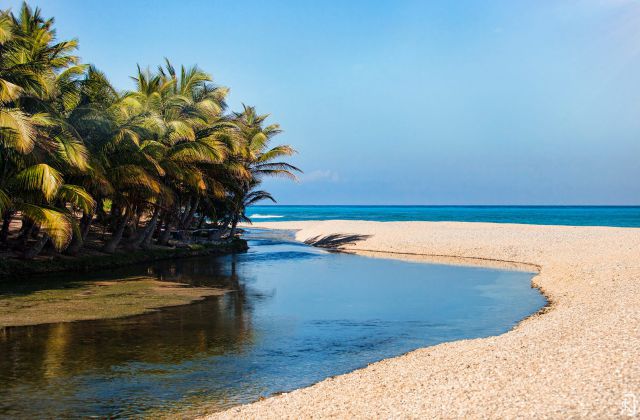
x=321, y=175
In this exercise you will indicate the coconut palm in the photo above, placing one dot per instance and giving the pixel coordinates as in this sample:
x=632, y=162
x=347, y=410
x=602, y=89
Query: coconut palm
x=37, y=84
x=162, y=155
x=257, y=160
x=190, y=108
x=133, y=173
x=246, y=195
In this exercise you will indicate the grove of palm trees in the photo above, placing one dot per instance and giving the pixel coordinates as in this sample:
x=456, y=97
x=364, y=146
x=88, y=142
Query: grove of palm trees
x=80, y=159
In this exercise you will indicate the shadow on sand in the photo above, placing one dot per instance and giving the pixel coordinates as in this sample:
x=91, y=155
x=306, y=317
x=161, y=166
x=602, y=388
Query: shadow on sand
x=336, y=240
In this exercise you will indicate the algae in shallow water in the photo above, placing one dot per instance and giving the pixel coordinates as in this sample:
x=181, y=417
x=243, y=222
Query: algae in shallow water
x=77, y=301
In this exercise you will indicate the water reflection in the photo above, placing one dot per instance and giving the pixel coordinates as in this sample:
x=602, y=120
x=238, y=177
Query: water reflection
x=296, y=315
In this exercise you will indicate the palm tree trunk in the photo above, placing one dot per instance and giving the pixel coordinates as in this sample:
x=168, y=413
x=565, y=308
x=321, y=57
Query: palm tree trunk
x=27, y=229
x=147, y=232
x=112, y=244
x=85, y=225
x=76, y=244
x=77, y=241
x=146, y=242
x=6, y=223
x=115, y=216
x=163, y=239
x=162, y=219
x=201, y=221
x=192, y=212
x=131, y=229
x=234, y=225
x=187, y=210
x=37, y=247
x=138, y=217
x=101, y=215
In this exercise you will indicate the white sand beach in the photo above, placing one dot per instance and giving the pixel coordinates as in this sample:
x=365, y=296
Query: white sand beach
x=578, y=358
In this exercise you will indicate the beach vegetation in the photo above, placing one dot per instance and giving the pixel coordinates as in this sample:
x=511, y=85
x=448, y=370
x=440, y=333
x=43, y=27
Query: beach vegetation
x=78, y=155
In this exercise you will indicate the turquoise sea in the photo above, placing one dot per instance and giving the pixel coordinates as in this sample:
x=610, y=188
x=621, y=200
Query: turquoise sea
x=623, y=216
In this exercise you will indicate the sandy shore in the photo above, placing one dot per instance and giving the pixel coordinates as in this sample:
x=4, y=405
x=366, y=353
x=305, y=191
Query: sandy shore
x=578, y=359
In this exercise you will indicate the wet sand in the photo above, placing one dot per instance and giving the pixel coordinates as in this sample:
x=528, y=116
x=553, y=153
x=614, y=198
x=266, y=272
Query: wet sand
x=578, y=358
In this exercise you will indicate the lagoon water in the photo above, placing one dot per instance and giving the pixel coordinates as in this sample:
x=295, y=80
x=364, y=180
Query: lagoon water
x=298, y=315
x=622, y=216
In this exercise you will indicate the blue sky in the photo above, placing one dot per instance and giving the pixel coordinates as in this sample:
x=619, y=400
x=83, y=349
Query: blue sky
x=408, y=102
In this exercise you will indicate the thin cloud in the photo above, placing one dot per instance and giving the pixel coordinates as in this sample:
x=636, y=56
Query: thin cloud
x=321, y=175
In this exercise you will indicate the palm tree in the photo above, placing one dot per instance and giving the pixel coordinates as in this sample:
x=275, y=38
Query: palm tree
x=37, y=82
x=161, y=155
x=257, y=161
x=243, y=198
x=190, y=108
x=133, y=173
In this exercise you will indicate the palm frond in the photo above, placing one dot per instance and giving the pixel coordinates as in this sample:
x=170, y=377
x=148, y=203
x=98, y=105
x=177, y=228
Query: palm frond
x=276, y=152
x=180, y=130
x=71, y=150
x=134, y=177
x=6, y=28
x=255, y=196
x=54, y=222
x=195, y=152
x=40, y=177
x=17, y=130
x=5, y=201
x=278, y=173
x=9, y=91
x=77, y=196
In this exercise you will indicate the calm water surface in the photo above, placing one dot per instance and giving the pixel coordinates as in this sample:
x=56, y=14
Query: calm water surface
x=298, y=315
x=623, y=216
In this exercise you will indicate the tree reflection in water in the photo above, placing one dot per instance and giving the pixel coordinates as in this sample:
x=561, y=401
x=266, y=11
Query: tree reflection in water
x=42, y=356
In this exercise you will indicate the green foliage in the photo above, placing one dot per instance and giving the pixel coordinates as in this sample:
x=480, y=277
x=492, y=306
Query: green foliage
x=69, y=140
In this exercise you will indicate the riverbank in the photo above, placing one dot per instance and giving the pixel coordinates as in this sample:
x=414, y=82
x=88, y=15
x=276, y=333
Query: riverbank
x=578, y=359
x=18, y=269
x=90, y=300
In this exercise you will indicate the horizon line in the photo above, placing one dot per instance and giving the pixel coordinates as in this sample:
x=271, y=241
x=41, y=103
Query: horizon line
x=445, y=205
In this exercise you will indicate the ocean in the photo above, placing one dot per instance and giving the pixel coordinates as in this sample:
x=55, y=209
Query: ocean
x=621, y=216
